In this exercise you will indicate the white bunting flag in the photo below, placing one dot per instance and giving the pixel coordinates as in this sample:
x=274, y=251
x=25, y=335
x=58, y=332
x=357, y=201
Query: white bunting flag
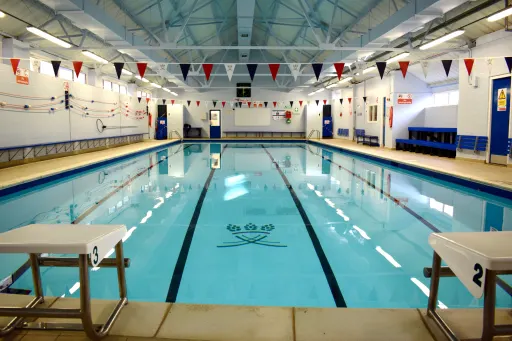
x=231, y=104
x=206, y=103
x=360, y=65
x=295, y=70
x=424, y=67
x=230, y=68
x=489, y=64
x=162, y=69
x=35, y=63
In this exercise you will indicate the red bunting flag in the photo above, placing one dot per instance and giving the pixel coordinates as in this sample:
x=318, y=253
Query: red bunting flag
x=275, y=103
x=469, y=65
x=274, y=68
x=77, y=65
x=339, y=69
x=350, y=100
x=223, y=104
x=198, y=102
x=249, y=104
x=207, y=68
x=325, y=101
x=14, y=63
x=404, y=65
x=142, y=69
x=300, y=102
x=147, y=99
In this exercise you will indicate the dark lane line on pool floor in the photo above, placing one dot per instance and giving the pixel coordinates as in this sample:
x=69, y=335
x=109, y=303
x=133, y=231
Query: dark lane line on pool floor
x=388, y=195
x=324, y=262
x=21, y=270
x=177, y=275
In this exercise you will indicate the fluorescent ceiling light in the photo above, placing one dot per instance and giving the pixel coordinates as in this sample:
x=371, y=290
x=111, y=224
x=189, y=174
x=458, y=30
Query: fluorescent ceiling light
x=319, y=90
x=370, y=69
x=142, y=79
x=344, y=80
x=156, y=85
x=165, y=89
x=495, y=17
x=330, y=86
x=46, y=36
x=2, y=14
x=173, y=93
x=94, y=57
x=126, y=72
x=442, y=39
x=399, y=57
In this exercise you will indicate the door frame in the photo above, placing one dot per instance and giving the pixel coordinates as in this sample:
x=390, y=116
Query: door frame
x=489, y=114
x=210, y=122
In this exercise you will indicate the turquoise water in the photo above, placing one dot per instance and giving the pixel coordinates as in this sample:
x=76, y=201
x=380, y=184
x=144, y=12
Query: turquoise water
x=252, y=224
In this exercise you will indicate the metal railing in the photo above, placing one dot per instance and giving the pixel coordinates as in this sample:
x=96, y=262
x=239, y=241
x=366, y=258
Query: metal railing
x=317, y=133
x=177, y=133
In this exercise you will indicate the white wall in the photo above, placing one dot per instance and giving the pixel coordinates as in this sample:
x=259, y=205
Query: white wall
x=38, y=127
x=440, y=117
x=473, y=113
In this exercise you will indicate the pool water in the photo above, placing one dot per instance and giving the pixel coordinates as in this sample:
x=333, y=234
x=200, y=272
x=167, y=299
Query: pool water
x=260, y=224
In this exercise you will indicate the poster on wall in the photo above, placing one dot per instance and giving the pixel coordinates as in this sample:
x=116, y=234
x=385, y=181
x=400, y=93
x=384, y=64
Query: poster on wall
x=22, y=76
x=404, y=99
x=278, y=115
x=502, y=99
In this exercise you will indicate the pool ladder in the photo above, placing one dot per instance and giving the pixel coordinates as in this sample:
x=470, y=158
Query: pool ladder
x=317, y=133
x=177, y=133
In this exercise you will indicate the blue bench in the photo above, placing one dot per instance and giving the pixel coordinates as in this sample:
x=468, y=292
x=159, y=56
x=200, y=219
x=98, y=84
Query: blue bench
x=509, y=147
x=369, y=140
x=343, y=132
x=426, y=147
x=475, y=143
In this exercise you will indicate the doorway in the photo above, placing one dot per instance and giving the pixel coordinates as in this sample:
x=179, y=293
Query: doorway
x=215, y=131
x=499, y=120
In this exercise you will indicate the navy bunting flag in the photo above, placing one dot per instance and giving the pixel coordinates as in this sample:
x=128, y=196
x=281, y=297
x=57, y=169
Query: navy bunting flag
x=184, y=70
x=508, y=60
x=139, y=98
x=214, y=103
x=188, y=103
x=447, y=64
x=56, y=67
x=266, y=103
x=317, y=69
x=164, y=100
x=119, y=69
x=341, y=101
x=317, y=101
x=291, y=104
x=364, y=98
x=252, y=70
x=381, y=66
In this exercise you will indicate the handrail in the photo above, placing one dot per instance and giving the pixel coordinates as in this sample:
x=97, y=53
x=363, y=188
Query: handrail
x=177, y=133
x=317, y=133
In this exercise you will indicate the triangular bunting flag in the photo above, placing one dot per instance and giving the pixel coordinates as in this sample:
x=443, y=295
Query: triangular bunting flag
x=349, y=100
x=424, y=68
x=142, y=69
x=274, y=68
x=317, y=101
x=339, y=69
x=300, y=102
x=56, y=67
x=188, y=103
x=14, y=63
x=381, y=66
x=138, y=98
x=207, y=68
x=266, y=103
x=172, y=102
x=249, y=104
x=223, y=103
x=214, y=103
x=341, y=101
x=404, y=65
x=230, y=68
x=147, y=99
x=325, y=101
x=239, y=104
x=469, y=65
x=291, y=104
x=317, y=69
x=119, y=69
x=164, y=100
x=447, y=64
x=508, y=60
x=275, y=103
x=184, y=70
x=252, y=70
x=365, y=98
x=295, y=70
x=198, y=102
x=77, y=65
x=489, y=64
x=206, y=104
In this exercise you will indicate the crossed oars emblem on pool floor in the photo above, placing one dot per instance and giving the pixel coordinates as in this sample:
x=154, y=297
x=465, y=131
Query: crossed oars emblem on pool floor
x=251, y=235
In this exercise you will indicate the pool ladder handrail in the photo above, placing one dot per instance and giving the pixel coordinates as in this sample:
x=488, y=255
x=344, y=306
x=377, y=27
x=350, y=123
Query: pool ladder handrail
x=177, y=133
x=317, y=133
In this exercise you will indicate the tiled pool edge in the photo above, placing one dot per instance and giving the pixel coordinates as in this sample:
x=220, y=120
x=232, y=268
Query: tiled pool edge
x=10, y=189
x=479, y=185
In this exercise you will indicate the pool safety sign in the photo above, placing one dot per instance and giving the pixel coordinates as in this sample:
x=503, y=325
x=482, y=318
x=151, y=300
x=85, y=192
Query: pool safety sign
x=404, y=98
x=502, y=99
x=22, y=76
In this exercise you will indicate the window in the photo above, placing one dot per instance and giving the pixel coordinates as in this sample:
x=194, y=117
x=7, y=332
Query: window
x=372, y=113
x=115, y=87
x=107, y=85
x=139, y=93
x=66, y=74
x=46, y=68
x=122, y=90
x=81, y=78
x=446, y=98
x=439, y=206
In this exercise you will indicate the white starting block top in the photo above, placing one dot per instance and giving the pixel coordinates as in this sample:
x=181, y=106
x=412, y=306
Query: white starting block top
x=96, y=240
x=469, y=254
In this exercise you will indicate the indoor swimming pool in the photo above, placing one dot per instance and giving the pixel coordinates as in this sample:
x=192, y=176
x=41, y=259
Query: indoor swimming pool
x=273, y=224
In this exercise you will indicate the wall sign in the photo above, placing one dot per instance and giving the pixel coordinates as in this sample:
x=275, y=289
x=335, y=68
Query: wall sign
x=22, y=76
x=502, y=99
x=404, y=99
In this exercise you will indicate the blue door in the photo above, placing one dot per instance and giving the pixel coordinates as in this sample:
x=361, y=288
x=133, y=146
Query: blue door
x=215, y=124
x=500, y=116
x=384, y=122
x=493, y=217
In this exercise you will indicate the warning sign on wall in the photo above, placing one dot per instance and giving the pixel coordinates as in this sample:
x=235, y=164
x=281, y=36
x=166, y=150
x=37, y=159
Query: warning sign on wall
x=502, y=99
x=22, y=76
x=404, y=99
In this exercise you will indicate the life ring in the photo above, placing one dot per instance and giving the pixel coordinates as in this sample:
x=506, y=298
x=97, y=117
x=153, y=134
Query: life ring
x=391, y=117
